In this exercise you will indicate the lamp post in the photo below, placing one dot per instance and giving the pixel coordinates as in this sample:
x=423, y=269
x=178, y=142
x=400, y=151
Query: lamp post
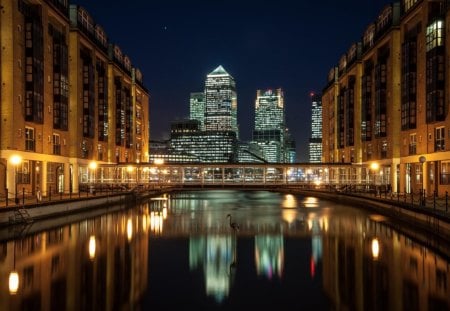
x=15, y=160
x=422, y=160
x=374, y=167
x=93, y=167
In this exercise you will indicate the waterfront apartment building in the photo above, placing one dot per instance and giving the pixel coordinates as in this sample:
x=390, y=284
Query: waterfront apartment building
x=387, y=101
x=315, y=141
x=69, y=97
x=269, y=131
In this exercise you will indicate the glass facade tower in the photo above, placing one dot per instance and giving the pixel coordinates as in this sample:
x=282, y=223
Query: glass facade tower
x=197, y=108
x=220, y=102
x=269, y=132
x=315, y=142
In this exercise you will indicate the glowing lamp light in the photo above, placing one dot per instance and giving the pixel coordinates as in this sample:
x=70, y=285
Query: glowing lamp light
x=92, y=247
x=158, y=161
x=129, y=229
x=16, y=159
x=92, y=165
x=13, y=282
x=375, y=248
x=374, y=166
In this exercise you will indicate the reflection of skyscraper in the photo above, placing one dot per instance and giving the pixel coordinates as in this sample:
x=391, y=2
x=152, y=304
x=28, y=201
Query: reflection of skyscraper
x=220, y=102
x=315, y=142
x=197, y=108
x=216, y=255
x=269, y=255
x=269, y=129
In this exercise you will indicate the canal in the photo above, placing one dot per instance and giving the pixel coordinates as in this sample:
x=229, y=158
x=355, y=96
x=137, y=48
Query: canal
x=224, y=249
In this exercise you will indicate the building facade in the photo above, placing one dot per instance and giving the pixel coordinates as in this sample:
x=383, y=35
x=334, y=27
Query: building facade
x=220, y=102
x=197, y=108
x=69, y=97
x=386, y=102
x=315, y=141
x=269, y=131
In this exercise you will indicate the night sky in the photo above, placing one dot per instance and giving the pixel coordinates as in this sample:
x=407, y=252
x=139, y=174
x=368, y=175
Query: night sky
x=271, y=44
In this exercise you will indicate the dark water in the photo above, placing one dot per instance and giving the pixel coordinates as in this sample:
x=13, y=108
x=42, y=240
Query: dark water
x=181, y=251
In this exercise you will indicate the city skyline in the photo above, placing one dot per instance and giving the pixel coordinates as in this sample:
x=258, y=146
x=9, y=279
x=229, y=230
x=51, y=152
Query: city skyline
x=292, y=46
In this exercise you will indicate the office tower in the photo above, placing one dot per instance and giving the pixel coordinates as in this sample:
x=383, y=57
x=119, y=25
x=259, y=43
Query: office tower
x=269, y=131
x=205, y=146
x=290, y=148
x=315, y=141
x=197, y=108
x=69, y=97
x=220, y=102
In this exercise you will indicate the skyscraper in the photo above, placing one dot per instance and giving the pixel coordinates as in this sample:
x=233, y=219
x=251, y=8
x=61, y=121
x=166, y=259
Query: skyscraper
x=315, y=142
x=197, y=108
x=220, y=102
x=269, y=132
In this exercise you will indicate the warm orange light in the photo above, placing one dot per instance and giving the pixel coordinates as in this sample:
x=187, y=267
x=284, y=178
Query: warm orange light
x=129, y=229
x=93, y=165
x=158, y=161
x=375, y=248
x=15, y=159
x=13, y=282
x=374, y=166
x=92, y=247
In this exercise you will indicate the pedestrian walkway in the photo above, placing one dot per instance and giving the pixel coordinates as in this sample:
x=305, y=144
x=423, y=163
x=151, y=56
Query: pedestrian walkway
x=28, y=200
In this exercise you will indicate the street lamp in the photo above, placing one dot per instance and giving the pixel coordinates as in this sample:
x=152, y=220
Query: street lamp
x=374, y=166
x=15, y=160
x=422, y=160
x=93, y=167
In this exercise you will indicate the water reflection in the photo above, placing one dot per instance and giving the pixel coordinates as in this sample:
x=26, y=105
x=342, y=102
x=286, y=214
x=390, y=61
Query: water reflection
x=178, y=250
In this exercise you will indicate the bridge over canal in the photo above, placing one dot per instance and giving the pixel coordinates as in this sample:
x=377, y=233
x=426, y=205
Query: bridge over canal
x=231, y=175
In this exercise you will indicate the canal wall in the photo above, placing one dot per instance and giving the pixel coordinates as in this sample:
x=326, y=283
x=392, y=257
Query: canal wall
x=434, y=222
x=36, y=211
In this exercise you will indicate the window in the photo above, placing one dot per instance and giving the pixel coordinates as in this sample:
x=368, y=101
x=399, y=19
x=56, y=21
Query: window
x=56, y=144
x=413, y=144
x=435, y=72
x=439, y=139
x=445, y=173
x=380, y=125
x=407, y=4
x=435, y=35
x=409, y=82
x=84, y=150
x=100, y=152
x=366, y=109
x=29, y=139
x=23, y=172
x=384, y=149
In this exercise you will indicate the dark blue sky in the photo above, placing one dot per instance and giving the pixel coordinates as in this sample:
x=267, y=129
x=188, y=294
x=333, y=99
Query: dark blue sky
x=287, y=44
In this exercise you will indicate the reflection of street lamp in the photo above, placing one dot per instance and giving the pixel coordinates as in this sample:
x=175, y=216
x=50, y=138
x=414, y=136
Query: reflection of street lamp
x=92, y=247
x=13, y=281
x=16, y=160
x=375, y=248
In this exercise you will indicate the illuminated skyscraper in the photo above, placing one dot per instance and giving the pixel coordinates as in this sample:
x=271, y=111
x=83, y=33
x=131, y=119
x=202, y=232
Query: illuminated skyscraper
x=197, y=108
x=315, y=142
x=269, y=132
x=220, y=102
